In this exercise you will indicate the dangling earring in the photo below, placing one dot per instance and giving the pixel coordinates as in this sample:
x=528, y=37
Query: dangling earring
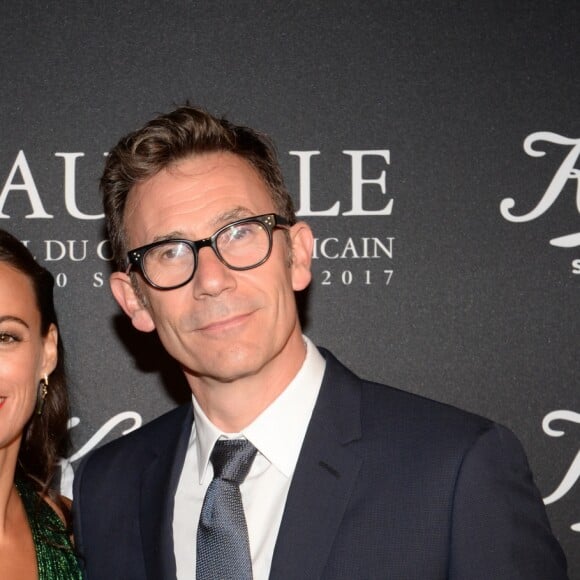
x=41, y=395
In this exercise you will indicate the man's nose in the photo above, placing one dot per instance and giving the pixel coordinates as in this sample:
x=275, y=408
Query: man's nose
x=212, y=276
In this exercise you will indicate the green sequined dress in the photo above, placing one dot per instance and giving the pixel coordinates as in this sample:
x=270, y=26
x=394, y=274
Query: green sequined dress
x=55, y=555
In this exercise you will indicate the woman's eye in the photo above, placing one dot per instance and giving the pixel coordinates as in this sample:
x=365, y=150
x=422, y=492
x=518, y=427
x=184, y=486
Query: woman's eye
x=7, y=338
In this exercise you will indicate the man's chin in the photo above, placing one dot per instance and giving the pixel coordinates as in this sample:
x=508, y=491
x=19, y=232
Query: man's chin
x=228, y=367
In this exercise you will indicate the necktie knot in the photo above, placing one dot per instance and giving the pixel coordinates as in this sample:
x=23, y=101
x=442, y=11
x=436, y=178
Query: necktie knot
x=232, y=459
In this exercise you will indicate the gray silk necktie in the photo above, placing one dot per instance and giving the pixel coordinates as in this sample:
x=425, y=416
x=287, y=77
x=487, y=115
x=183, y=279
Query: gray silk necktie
x=223, y=548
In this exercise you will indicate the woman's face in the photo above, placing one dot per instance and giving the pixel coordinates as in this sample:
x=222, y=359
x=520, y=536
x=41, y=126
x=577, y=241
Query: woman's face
x=25, y=355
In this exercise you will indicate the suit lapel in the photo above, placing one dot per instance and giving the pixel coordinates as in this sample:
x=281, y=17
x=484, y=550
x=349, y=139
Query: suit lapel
x=158, y=486
x=322, y=484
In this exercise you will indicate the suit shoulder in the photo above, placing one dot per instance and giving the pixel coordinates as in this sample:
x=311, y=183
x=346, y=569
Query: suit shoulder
x=386, y=409
x=390, y=403
x=398, y=425
x=430, y=428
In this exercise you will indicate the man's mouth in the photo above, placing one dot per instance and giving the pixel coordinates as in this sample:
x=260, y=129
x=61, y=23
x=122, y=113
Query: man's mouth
x=2, y=399
x=225, y=323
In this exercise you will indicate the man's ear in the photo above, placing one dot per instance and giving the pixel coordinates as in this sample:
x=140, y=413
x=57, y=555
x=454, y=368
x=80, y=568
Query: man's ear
x=130, y=302
x=302, y=244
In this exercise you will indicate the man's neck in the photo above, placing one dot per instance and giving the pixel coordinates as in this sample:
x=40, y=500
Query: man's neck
x=233, y=405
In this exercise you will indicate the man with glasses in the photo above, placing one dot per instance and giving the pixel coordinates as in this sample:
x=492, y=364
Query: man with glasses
x=285, y=465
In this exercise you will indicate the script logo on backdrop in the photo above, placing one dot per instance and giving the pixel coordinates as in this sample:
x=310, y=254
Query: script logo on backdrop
x=346, y=260
x=567, y=171
x=572, y=476
x=67, y=473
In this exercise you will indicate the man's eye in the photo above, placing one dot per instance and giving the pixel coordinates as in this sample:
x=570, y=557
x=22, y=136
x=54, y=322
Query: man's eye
x=239, y=233
x=171, y=253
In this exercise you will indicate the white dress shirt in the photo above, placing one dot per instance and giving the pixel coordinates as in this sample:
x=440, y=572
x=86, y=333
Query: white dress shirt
x=277, y=433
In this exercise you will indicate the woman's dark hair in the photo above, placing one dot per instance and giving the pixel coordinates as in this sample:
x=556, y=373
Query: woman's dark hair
x=45, y=436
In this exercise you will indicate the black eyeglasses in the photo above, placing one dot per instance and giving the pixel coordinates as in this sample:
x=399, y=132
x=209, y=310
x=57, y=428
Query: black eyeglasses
x=241, y=245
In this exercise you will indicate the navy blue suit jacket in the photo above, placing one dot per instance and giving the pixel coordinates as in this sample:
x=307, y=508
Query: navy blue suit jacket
x=388, y=485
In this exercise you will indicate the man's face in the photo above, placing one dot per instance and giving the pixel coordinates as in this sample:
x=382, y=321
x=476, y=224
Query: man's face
x=224, y=325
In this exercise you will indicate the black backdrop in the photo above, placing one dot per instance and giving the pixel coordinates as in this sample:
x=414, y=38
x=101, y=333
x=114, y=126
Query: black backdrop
x=402, y=127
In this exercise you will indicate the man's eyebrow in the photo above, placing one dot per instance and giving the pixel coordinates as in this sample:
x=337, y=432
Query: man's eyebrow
x=10, y=318
x=231, y=215
x=221, y=219
x=167, y=237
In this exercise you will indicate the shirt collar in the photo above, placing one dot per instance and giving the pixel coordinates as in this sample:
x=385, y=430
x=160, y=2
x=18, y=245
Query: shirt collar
x=278, y=432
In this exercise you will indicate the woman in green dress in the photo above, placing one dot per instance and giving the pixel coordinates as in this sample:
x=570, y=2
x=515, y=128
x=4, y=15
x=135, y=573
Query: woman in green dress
x=35, y=539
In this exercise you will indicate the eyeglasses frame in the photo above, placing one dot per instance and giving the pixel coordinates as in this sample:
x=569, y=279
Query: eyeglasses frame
x=271, y=221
